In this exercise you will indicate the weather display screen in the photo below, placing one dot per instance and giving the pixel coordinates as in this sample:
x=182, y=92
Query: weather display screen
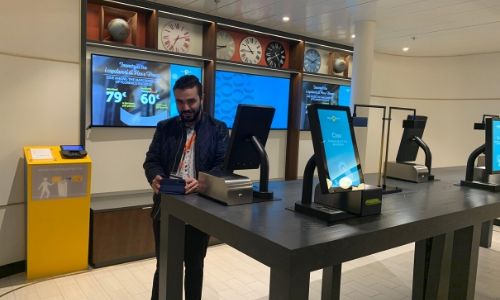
x=338, y=147
x=324, y=93
x=131, y=92
x=495, y=145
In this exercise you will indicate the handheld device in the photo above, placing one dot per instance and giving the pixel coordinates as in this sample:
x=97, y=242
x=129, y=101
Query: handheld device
x=73, y=151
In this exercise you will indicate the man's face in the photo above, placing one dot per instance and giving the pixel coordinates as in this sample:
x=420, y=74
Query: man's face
x=188, y=103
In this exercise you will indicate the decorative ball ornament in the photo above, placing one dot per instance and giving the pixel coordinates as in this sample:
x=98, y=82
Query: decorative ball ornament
x=345, y=183
x=118, y=29
x=339, y=65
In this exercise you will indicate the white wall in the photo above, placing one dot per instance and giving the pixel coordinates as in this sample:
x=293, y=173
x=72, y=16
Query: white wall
x=39, y=80
x=454, y=92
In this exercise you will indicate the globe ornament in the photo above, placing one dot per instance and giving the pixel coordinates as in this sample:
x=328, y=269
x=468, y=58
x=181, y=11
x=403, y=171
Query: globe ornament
x=118, y=29
x=339, y=65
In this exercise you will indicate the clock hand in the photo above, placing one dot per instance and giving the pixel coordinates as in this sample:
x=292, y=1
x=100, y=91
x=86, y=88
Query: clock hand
x=175, y=41
x=249, y=48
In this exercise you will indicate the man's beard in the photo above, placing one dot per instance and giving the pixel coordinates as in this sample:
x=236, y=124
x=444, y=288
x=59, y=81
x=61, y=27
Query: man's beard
x=188, y=116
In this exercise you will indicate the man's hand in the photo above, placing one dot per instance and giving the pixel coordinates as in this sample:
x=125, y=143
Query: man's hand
x=155, y=184
x=191, y=185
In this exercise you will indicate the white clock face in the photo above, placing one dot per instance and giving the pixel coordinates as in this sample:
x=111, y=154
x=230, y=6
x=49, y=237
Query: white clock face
x=225, y=45
x=250, y=50
x=175, y=37
x=312, y=61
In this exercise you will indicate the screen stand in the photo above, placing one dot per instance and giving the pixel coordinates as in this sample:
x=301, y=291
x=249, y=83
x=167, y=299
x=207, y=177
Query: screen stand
x=410, y=171
x=476, y=177
x=332, y=207
x=263, y=193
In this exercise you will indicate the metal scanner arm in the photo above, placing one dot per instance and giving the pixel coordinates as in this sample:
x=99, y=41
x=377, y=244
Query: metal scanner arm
x=264, y=165
x=307, y=180
x=469, y=172
x=427, y=151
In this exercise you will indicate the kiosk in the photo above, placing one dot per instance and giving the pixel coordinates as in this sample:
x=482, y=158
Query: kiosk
x=57, y=193
x=486, y=174
x=341, y=192
x=245, y=151
x=405, y=168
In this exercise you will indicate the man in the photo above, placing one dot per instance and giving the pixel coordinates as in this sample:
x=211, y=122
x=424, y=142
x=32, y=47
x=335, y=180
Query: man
x=184, y=145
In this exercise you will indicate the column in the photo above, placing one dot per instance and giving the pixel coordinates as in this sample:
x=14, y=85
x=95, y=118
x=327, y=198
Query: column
x=361, y=83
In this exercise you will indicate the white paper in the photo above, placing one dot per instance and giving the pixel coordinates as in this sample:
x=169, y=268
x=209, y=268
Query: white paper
x=41, y=153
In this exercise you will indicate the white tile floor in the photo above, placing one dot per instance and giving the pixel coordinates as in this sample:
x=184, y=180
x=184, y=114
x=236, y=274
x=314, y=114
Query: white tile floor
x=232, y=275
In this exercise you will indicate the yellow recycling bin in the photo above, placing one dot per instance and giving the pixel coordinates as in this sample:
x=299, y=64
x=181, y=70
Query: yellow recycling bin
x=57, y=212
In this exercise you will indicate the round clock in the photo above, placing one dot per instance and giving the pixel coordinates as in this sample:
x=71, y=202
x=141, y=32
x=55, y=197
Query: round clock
x=250, y=50
x=225, y=45
x=175, y=37
x=275, y=55
x=312, y=60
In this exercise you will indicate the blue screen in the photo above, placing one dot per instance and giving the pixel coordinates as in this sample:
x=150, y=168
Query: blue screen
x=344, y=95
x=324, y=93
x=130, y=92
x=495, y=136
x=72, y=147
x=233, y=88
x=338, y=145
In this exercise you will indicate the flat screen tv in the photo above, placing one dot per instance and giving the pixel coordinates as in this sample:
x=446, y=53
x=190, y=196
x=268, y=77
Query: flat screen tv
x=335, y=148
x=322, y=93
x=133, y=93
x=408, y=149
x=492, y=152
x=233, y=88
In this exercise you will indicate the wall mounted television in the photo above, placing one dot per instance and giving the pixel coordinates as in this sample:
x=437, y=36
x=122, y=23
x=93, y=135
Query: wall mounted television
x=233, y=88
x=322, y=93
x=128, y=92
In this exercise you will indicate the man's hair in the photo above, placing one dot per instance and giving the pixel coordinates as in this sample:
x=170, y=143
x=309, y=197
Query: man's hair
x=187, y=82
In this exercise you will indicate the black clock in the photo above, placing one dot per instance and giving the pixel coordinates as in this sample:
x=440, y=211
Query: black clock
x=312, y=60
x=275, y=55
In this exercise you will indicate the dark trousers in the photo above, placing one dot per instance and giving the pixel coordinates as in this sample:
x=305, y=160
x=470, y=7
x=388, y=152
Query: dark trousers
x=195, y=250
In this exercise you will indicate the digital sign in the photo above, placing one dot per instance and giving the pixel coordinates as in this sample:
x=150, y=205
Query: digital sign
x=136, y=93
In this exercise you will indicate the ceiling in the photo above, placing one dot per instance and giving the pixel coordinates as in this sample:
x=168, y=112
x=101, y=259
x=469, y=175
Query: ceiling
x=427, y=27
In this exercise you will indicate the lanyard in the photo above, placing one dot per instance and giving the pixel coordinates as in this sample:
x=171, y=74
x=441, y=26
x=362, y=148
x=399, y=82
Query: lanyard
x=187, y=147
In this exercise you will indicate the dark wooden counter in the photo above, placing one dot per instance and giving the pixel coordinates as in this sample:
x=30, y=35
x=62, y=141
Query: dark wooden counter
x=293, y=245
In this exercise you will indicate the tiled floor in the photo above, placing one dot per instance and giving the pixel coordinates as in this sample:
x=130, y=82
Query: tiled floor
x=231, y=275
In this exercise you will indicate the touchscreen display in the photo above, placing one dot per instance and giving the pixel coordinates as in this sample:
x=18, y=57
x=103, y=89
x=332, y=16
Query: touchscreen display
x=338, y=145
x=495, y=143
x=71, y=147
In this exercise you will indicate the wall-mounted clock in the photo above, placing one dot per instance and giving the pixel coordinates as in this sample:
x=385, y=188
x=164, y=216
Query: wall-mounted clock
x=180, y=36
x=250, y=50
x=312, y=60
x=275, y=55
x=175, y=37
x=225, y=45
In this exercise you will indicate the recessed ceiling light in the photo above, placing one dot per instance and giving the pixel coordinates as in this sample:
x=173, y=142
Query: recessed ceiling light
x=353, y=36
x=405, y=49
x=286, y=19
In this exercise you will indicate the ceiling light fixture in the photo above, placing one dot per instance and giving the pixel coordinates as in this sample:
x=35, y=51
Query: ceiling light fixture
x=405, y=49
x=286, y=19
x=353, y=36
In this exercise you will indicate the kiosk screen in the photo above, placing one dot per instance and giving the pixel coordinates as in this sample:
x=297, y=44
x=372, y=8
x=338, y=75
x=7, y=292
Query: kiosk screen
x=493, y=145
x=335, y=147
